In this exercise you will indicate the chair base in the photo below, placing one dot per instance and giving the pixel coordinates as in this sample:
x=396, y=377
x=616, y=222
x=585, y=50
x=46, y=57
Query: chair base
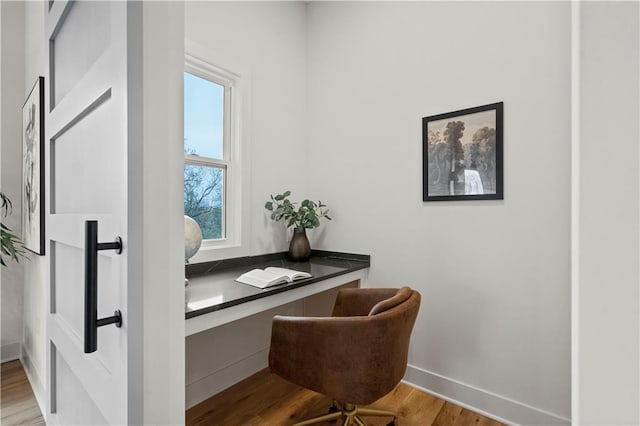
x=350, y=415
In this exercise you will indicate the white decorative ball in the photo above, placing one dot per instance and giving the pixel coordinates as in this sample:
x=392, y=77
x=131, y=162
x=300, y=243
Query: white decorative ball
x=192, y=237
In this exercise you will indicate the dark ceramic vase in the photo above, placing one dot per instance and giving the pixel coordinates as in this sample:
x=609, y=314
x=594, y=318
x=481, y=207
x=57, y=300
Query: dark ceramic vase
x=299, y=248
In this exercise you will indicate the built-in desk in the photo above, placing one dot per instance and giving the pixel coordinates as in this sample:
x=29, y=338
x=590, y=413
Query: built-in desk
x=228, y=324
x=213, y=297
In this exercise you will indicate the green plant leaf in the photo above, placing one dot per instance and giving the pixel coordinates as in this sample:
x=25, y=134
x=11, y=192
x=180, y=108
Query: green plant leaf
x=306, y=216
x=10, y=244
x=6, y=204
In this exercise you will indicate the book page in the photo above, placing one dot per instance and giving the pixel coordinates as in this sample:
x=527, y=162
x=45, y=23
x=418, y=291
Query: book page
x=290, y=273
x=262, y=279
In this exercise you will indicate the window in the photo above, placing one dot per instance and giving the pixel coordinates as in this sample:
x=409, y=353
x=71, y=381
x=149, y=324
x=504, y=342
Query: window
x=207, y=149
x=217, y=160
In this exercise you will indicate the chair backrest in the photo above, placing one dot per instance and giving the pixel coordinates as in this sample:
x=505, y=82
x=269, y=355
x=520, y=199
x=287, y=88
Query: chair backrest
x=384, y=305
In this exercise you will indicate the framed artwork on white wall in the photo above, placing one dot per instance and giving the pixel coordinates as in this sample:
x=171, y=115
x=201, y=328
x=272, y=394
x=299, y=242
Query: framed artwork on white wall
x=462, y=154
x=33, y=169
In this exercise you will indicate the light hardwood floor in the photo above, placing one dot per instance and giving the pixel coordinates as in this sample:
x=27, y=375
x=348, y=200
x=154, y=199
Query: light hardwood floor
x=265, y=399
x=261, y=400
x=19, y=406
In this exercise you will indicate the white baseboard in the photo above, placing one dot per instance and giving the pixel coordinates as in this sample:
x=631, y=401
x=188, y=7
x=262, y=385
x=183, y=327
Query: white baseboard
x=220, y=380
x=11, y=351
x=34, y=379
x=481, y=401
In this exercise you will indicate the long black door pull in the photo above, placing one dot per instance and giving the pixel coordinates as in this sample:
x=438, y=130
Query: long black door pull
x=91, y=321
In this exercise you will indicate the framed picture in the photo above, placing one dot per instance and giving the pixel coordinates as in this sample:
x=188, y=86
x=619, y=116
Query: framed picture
x=462, y=154
x=33, y=169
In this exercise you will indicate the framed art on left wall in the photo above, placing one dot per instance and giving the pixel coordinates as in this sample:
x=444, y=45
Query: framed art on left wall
x=33, y=169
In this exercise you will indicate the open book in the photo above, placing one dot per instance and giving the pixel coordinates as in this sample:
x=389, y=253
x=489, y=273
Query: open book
x=271, y=276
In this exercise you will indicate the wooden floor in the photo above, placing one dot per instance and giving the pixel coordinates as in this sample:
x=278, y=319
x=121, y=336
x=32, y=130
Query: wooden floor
x=265, y=399
x=261, y=400
x=19, y=406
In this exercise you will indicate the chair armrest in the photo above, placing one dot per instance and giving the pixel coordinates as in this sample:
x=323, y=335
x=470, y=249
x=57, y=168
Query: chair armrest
x=359, y=301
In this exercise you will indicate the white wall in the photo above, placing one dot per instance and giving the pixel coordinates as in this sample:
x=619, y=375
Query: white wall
x=35, y=274
x=156, y=258
x=12, y=99
x=265, y=43
x=494, y=326
x=607, y=294
x=23, y=285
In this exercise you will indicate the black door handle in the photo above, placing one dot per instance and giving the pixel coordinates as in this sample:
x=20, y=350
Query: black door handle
x=91, y=321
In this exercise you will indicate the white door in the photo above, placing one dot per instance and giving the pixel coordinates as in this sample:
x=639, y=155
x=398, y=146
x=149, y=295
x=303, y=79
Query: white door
x=86, y=168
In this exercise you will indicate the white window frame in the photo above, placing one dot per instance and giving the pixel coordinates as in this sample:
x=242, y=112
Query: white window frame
x=233, y=242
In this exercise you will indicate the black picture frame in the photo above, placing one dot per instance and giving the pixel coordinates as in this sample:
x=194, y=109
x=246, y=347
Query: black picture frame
x=33, y=169
x=462, y=154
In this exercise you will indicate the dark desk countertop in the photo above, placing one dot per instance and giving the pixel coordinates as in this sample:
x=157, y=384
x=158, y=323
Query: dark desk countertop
x=212, y=285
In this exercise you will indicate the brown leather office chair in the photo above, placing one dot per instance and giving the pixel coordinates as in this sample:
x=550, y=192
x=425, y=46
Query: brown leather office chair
x=356, y=356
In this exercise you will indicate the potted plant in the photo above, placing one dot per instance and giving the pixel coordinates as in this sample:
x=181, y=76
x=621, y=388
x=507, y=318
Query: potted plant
x=306, y=216
x=10, y=244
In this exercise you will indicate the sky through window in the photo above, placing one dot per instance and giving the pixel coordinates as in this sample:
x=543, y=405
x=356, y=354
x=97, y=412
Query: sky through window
x=203, y=117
